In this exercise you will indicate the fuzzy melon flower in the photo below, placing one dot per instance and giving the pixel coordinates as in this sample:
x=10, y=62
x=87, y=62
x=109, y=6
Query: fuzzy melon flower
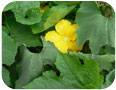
x=64, y=38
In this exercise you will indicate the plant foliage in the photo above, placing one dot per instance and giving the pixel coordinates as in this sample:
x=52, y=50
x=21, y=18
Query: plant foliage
x=31, y=62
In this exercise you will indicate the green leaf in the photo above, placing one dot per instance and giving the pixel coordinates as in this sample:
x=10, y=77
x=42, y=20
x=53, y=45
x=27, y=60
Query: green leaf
x=9, y=6
x=109, y=50
x=9, y=49
x=27, y=12
x=4, y=29
x=49, y=80
x=13, y=72
x=84, y=75
x=51, y=17
x=30, y=67
x=67, y=2
x=22, y=33
x=104, y=61
x=93, y=26
x=32, y=64
x=5, y=76
x=80, y=55
x=73, y=75
x=109, y=79
x=48, y=53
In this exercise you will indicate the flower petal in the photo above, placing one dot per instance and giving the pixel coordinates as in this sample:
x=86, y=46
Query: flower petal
x=62, y=26
x=73, y=37
x=62, y=46
x=52, y=36
x=65, y=28
x=72, y=46
x=72, y=29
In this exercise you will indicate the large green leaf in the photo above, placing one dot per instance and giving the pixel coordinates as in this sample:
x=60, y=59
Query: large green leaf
x=9, y=49
x=27, y=12
x=73, y=75
x=109, y=79
x=22, y=33
x=30, y=67
x=32, y=64
x=5, y=76
x=51, y=17
x=104, y=61
x=48, y=53
x=9, y=6
x=93, y=26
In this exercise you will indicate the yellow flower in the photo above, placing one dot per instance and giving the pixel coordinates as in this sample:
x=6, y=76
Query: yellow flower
x=64, y=38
